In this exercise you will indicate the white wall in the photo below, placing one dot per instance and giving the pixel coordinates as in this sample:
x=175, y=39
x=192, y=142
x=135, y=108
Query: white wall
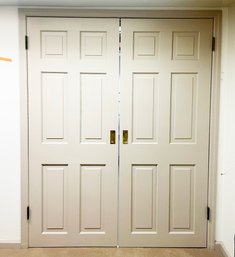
x=9, y=129
x=226, y=182
x=10, y=132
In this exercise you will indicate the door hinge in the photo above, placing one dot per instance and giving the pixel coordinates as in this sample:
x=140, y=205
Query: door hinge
x=28, y=213
x=213, y=44
x=26, y=42
x=208, y=213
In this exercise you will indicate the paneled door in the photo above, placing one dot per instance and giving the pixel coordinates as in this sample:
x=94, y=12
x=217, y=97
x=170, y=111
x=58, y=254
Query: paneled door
x=73, y=67
x=165, y=105
x=78, y=168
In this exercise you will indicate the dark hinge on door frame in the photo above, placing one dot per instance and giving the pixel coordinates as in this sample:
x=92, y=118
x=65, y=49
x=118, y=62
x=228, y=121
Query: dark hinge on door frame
x=208, y=213
x=28, y=213
x=26, y=42
x=213, y=44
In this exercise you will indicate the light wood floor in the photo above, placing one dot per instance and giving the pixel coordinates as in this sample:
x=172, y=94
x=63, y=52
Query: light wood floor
x=107, y=252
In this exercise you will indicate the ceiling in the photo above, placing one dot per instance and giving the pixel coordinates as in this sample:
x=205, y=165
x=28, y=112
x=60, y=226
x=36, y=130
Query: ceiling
x=119, y=3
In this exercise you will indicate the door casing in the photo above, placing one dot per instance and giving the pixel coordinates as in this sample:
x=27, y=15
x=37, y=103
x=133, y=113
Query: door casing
x=216, y=15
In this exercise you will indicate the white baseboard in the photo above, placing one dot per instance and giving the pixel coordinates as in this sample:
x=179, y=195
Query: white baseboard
x=221, y=250
x=10, y=245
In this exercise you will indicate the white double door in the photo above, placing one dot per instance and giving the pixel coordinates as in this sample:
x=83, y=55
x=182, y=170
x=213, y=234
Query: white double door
x=80, y=194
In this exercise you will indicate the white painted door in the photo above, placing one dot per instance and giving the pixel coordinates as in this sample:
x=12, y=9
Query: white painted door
x=73, y=75
x=165, y=103
x=73, y=67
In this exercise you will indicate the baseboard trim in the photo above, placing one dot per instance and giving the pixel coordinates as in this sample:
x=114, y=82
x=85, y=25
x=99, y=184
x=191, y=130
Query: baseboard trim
x=221, y=250
x=10, y=245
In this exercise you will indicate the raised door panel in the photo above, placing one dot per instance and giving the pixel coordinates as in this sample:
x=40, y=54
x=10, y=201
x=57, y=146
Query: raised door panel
x=182, y=199
x=54, y=198
x=93, y=45
x=91, y=199
x=186, y=45
x=53, y=44
x=183, y=108
x=92, y=86
x=54, y=107
x=145, y=107
x=144, y=199
x=146, y=45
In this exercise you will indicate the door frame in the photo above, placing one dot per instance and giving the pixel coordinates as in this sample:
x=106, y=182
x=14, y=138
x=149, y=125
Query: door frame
x=215, y=15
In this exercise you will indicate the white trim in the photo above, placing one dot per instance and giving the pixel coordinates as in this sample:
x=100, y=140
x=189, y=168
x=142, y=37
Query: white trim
x=127, y=13
x=221, y=250
x=24, y=129
x=144, y=8
x=214, y=130
x=121, y=13
x=9, y=245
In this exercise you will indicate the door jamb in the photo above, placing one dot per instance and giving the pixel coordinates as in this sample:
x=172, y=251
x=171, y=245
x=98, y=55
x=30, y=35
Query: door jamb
x=216, y=15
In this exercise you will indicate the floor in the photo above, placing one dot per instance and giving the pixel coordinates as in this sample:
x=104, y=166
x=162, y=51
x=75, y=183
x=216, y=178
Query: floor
x=107, y=252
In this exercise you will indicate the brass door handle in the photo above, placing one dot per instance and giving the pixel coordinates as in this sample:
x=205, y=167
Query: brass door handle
x=112, y=137
x=125, y=137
